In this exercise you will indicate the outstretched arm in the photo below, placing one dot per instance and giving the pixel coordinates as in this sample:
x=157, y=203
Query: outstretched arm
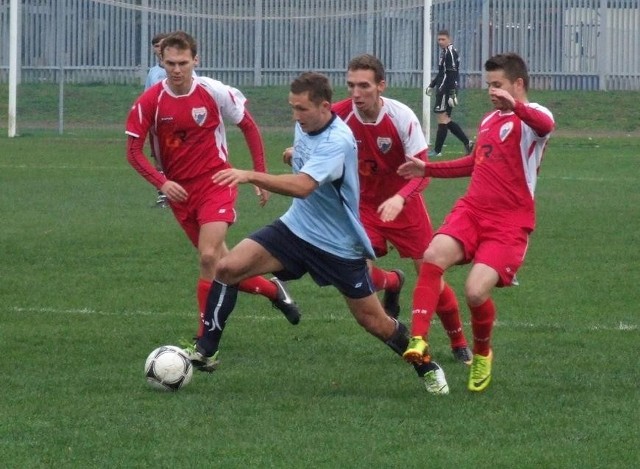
x=294, y=185
x=391, y=208
x=460, y=167
x=415, y=185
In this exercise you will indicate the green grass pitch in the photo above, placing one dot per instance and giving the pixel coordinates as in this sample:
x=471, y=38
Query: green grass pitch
x=92, y=279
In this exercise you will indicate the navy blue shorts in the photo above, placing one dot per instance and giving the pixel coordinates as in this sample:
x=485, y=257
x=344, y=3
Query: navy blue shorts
x=349, y=276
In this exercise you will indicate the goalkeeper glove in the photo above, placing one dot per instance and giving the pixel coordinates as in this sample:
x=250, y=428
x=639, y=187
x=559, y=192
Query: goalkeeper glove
x=429, y=91
x=453, y=99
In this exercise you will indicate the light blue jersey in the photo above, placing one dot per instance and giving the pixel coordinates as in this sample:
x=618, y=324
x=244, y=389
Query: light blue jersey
x=328, y=218
x=156, y=74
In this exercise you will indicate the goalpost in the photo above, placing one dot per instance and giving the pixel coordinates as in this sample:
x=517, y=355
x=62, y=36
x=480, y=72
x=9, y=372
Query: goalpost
x=426, y=70
x=13, y=66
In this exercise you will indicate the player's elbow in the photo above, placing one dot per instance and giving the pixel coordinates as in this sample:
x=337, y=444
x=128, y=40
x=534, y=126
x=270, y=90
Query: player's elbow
x=545, y=130
x=301, y=192
x=304, y=187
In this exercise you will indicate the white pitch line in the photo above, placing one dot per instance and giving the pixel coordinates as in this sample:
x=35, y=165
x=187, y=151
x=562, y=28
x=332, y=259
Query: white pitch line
x=620, y=326
x=89, y=311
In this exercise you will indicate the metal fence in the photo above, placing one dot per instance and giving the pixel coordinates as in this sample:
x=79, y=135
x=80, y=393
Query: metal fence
x=568, y=44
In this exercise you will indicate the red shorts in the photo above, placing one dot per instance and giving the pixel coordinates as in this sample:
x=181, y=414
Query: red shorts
x=499, y=245
x=207, y=202
x=410, y=233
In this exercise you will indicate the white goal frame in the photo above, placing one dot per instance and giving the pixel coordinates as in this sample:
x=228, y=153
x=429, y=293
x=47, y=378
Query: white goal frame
x=13, y=66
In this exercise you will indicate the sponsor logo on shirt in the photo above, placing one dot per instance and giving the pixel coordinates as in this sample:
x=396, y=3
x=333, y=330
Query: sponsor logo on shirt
x=199, y=115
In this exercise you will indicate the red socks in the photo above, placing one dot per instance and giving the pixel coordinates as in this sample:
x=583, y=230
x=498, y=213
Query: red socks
x=202, y=292
x=425, y=299
x=254, y=285
x=259, y=286
x=384, y=279
x=449, y=314
x=482, y=318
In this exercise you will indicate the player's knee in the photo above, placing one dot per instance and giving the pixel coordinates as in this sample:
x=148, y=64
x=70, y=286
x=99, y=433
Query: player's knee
x=208, y=260
x=225, y=272
x=232, y=270
x=431, y=256
x=475, y=295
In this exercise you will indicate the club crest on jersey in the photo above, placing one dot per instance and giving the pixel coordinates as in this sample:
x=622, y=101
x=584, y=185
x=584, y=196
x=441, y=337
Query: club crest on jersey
x=505, y=130
x=199, y=115
x=384, y=144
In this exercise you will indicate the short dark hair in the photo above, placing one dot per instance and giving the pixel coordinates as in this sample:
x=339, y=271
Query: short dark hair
x=368, y=62
x=443, y=32
x=512, y=65
x=181, y=41
x=157, y=38
x=316, y=84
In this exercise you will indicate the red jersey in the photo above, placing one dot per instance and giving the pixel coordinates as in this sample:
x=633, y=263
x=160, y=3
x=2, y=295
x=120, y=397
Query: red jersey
x=187, y=131
x=507, y=157
x=382, y=147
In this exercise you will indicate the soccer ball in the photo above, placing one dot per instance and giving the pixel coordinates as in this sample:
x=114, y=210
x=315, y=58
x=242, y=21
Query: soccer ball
x=168, y=368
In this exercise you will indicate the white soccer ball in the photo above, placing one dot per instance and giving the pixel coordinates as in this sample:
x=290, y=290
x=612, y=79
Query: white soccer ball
x=168, y=368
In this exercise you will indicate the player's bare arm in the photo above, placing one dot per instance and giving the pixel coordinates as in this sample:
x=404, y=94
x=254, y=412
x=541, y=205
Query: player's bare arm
x=294, y=185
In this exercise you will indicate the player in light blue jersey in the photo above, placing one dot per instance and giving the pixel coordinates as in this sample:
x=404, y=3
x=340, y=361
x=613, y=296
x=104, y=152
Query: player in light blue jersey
x=320, y=235
x=156, y=74
x=329, y=157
